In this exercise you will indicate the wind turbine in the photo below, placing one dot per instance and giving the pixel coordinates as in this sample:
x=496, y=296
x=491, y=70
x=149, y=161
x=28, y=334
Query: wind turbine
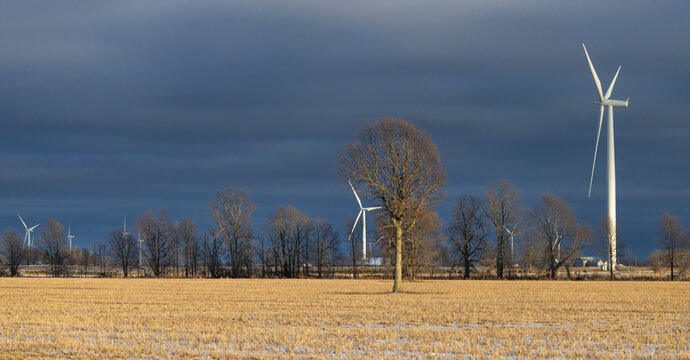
x=124, y=227
x=363, y=214
x=604, y=101
x=69, y=234
x=29, y=230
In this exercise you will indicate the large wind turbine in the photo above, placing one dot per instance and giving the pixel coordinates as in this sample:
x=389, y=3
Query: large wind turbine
x=363, y=214
x=604, y=101
x=29, y=230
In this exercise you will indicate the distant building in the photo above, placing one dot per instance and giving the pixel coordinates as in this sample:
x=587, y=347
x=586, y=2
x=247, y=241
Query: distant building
x=603, y=265
x=374, y=261
x=586, y=261
x=592, y=262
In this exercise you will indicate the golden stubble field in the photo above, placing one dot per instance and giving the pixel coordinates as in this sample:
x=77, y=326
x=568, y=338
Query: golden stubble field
x=152, y=319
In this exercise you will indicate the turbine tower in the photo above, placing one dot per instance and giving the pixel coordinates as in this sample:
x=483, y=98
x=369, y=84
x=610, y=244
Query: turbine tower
x=29, y=230
x=604, y=101
x=141, y=241
x=363, y=214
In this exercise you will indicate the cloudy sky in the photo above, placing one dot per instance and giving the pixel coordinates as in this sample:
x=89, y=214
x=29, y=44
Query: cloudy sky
x=111, y=107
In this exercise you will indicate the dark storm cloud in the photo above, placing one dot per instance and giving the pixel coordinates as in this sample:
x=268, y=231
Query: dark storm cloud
x=124, y=106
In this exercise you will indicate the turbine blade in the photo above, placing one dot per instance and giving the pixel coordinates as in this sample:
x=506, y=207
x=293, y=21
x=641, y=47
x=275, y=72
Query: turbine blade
x=355, y=225
x=357, y=197
x=594, y=74
x=608, y=92
x=35, y=226
x=20, y=218
x=596, y=147
x=373, y=208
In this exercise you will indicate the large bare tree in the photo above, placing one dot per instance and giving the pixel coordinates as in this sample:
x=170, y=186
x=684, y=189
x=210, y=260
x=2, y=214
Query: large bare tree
x=123, y=247
x=672, y=240
x=504, y=212
x=53, y=244
x=154, y=229
x=398, y=165
x=12, y=250
x=467, y=231
x=558, y=232
x=231, y=210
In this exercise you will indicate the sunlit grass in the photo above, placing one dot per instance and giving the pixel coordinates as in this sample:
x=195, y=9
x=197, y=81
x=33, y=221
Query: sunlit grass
x=147, y=318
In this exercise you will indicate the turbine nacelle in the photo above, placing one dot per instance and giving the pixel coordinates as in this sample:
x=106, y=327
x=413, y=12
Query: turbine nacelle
x=609, y=102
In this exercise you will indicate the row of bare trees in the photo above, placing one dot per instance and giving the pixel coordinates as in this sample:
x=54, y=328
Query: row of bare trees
x=549, y=235
x=289, y=246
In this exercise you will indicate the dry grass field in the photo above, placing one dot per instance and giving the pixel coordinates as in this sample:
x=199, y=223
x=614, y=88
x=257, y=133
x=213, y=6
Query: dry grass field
x=160, y=319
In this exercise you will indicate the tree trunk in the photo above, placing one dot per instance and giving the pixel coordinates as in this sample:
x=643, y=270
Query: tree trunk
x=610, y=263
x=499, y=257
x=672, y=258
x=467, y=269
x=397, y=283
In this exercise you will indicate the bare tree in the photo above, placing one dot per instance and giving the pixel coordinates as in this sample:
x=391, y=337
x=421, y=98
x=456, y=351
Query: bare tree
x=174, y=241
x=467, y=231
x=656, y=260
x=504, y=212
x=672, y=239
x=12, y=250
x=155, y=232
x=530, y=251
x=101, y=252
x=53, y=244
x=263, y=255
x=84, y=260
x=398, y=165
x=232, y=209
x=558, y=232
x=124, y=248
x=286, y=230
x=190, y=246
x=325, y=243
x=211, y=254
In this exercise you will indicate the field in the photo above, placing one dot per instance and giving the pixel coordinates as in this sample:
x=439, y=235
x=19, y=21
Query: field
x=151, y=319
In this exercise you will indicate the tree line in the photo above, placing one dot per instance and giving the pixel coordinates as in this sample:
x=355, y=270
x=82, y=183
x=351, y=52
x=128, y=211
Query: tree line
x=396, y=166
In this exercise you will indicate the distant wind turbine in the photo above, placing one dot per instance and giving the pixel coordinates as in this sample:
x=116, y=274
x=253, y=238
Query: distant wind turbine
x=69, y=234
x=604, y=101
x=29, y=230
x=363, y=214
x=124, y=226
